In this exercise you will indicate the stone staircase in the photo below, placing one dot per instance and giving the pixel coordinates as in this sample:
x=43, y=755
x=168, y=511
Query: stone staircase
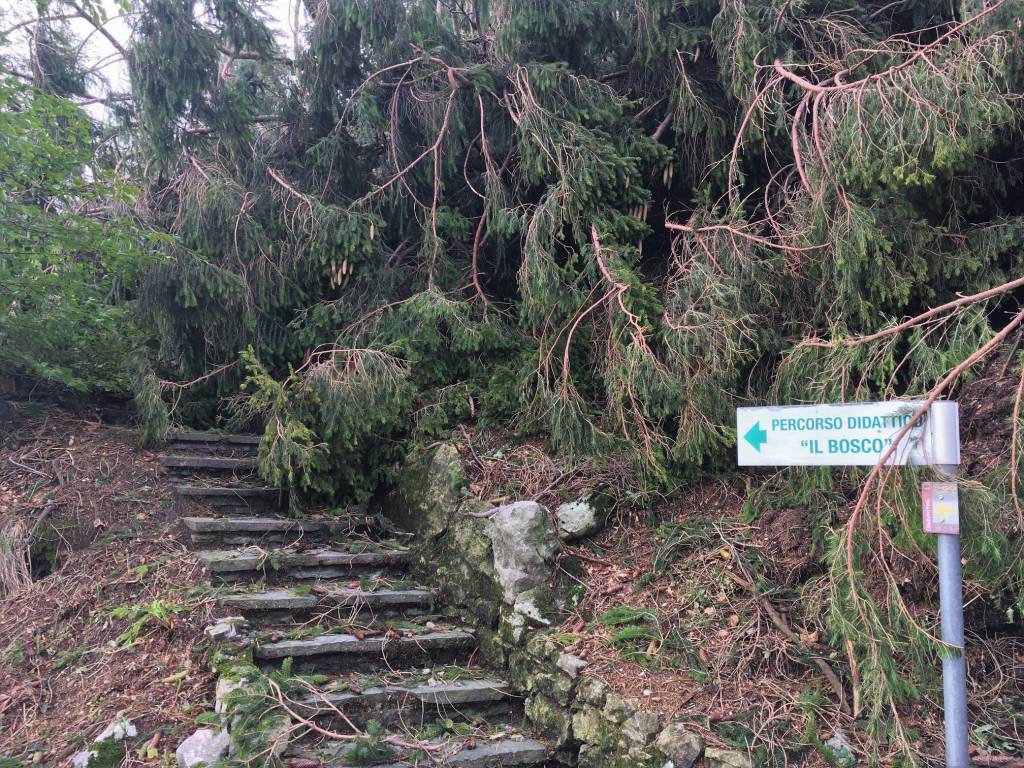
x=332, y=594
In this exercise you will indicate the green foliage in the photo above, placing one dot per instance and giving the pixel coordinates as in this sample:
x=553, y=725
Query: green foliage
x=327, y=424
x=106, y=754
x=70, y=251
x=633, y=630
x=435, y=216
x=490, y=218
x=151, y=409
x=369, y=748
x=157, y=612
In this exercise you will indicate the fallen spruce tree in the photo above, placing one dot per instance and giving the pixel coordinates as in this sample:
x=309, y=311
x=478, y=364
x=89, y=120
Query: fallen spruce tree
x=607, y=223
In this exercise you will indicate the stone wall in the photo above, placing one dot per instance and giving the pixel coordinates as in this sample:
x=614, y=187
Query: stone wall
x=495, y=566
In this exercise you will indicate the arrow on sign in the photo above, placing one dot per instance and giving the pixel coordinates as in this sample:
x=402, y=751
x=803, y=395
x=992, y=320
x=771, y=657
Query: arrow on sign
x=756, y=436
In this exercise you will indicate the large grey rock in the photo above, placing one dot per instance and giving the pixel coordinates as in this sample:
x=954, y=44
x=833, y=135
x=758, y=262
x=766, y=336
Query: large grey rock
x=524, y=543
x=578, y=519
x=202, y=748
x=593, y=691
x=536, y=605
x=726, y=758
x=618, y=710
x=680, y=745
x=428, y=492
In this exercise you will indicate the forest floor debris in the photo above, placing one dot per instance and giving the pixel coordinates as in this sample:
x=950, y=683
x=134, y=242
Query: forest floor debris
x=111, y=625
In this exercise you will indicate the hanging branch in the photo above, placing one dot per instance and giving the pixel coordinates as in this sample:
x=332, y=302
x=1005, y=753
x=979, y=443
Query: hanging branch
x=881, y=466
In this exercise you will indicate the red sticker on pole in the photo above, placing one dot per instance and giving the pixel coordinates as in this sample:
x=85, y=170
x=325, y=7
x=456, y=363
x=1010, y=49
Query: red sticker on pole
x=940, y=508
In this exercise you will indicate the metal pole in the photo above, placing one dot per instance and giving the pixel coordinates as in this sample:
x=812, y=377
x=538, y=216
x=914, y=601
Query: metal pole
x=954, y=667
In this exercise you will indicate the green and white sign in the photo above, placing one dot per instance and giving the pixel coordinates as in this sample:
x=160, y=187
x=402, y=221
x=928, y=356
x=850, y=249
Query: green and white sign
x=850, y=434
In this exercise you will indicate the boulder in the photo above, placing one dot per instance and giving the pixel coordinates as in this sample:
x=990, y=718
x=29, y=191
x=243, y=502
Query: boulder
x=549, y=719
x=618, y=710
x=680, y=745
x=428, y=490
x=536, y=605
x=202, y=748
x=524, y=543
x=578, y=520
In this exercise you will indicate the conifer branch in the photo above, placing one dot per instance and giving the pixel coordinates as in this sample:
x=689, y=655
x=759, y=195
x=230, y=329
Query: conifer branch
x=100, y=27
x=1015, y=448
x=882, y=465
x=918, y=319
x=838, y=86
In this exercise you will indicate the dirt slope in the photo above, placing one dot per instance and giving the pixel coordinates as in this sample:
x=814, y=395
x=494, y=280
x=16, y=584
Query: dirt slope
x=113, y=628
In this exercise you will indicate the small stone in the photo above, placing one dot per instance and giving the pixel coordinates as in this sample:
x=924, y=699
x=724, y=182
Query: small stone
x=81, y=759
x=683, y=747
x=226, y=629
x=118, y=730
x=571, y=665
x=726, y=758
x=840, y=748
x=202, y=748
x=576, y=520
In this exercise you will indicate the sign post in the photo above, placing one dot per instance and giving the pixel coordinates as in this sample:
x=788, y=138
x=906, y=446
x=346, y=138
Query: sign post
x=940, y=511
x=859, y=434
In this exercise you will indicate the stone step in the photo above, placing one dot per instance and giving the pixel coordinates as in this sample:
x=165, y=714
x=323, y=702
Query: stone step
x=211, y=449
x=348, y=652
x=476, y=752
x=230, y=494
x=191, y=464
x=326, y=602
x=413, y=705
x=276, y=565
x=232, y=531
x=235, y=500
x=212, y=438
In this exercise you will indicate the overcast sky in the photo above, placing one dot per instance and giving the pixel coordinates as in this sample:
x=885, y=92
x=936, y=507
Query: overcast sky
x=100, y=53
